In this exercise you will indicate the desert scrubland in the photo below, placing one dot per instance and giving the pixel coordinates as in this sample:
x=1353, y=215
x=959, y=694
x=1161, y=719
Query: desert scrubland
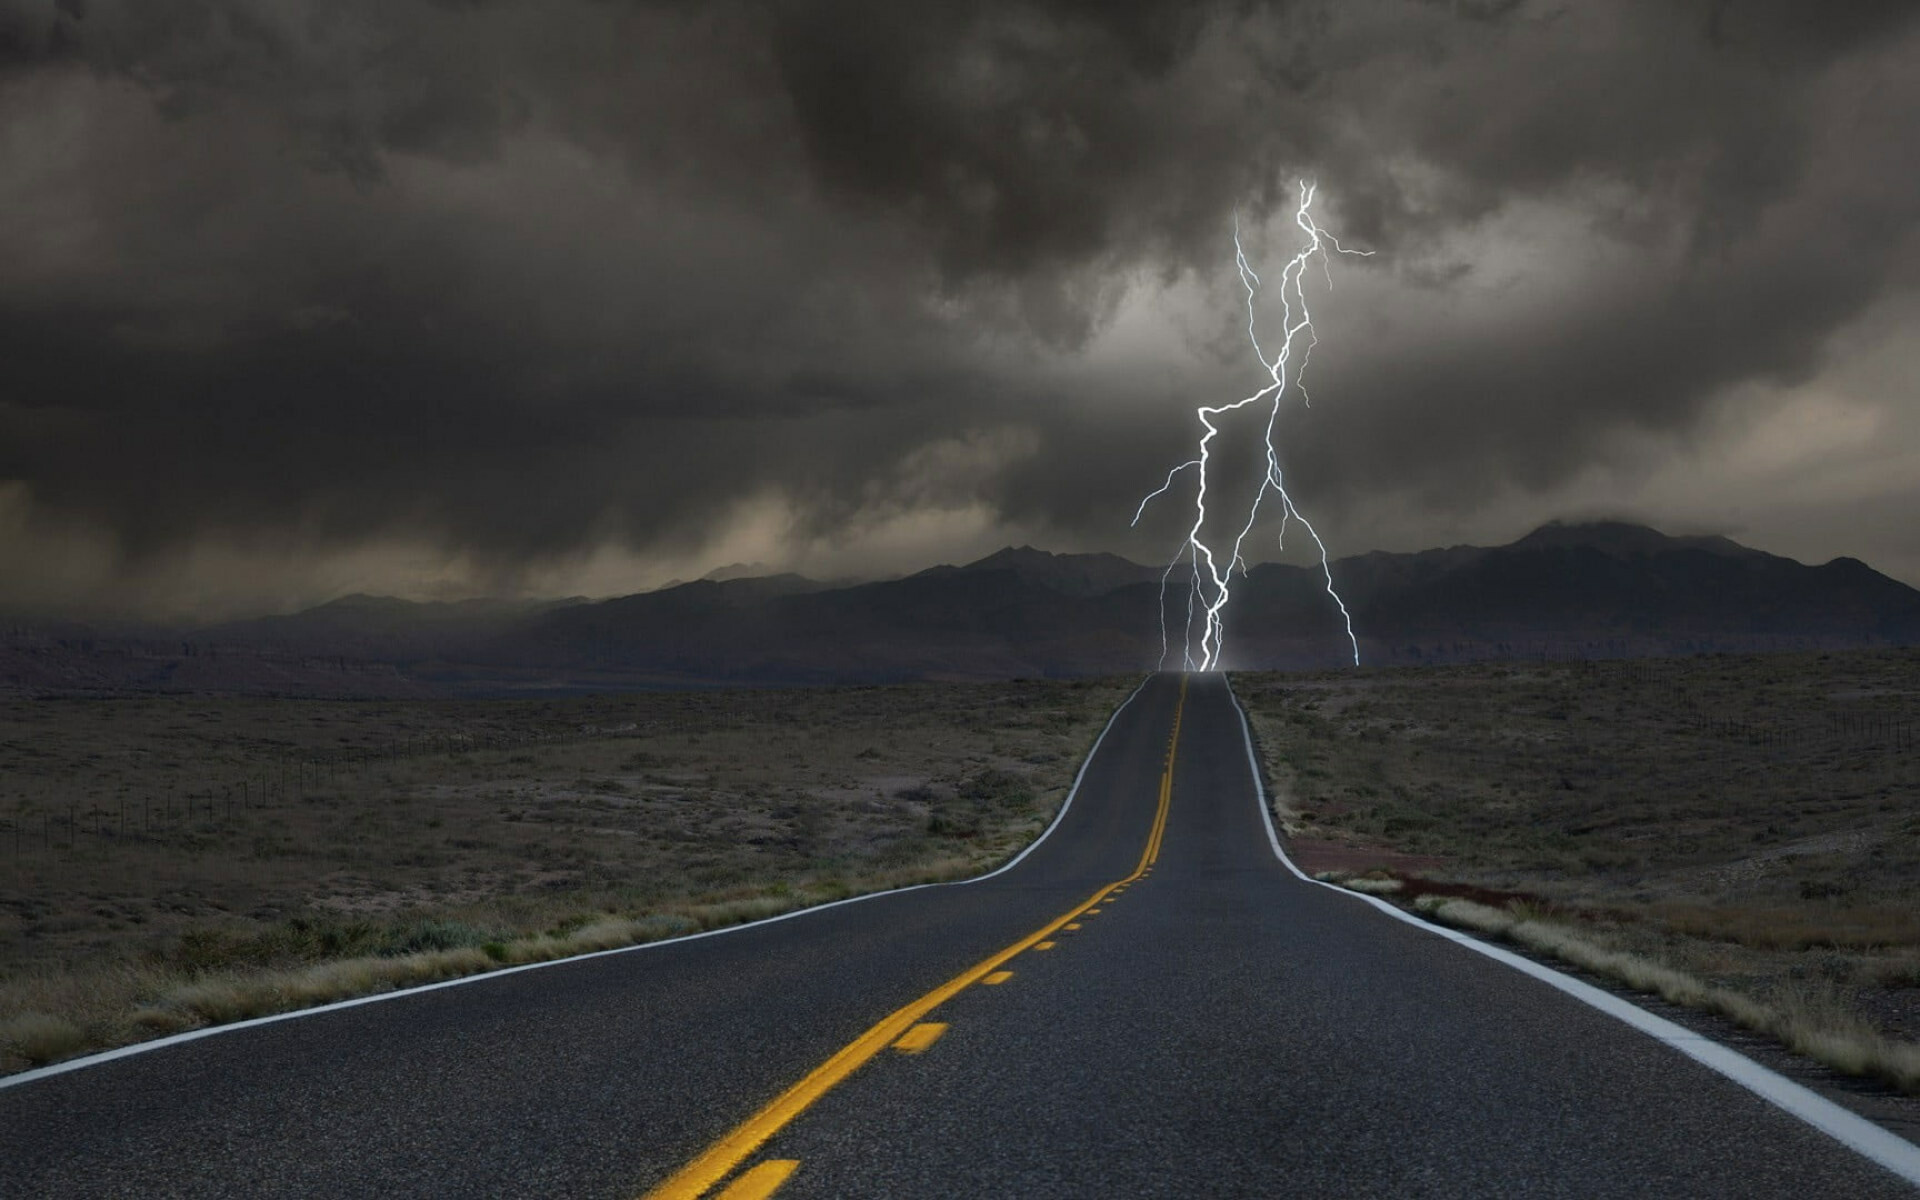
x=169, y=862
x=1737, y=833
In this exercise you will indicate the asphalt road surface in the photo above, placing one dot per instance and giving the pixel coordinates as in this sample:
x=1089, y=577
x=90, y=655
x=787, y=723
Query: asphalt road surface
x=1149, y=1004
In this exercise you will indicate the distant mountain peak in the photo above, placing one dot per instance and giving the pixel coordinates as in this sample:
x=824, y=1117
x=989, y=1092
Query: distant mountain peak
x=752, y=570
x=1068, y=574
x=1620, y=538
x=365, y=600
x=1014, y=556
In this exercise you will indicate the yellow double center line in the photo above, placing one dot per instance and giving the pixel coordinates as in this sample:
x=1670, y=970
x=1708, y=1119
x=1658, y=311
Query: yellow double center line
x=1159, y=830
x=720, y=1159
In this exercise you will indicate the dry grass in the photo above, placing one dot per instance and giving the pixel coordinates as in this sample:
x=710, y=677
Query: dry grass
x=1782, y=927
x=1812, y=1019
x=685, y=811
x=1373, y=887
x=41, y=1038
x=1740, y=834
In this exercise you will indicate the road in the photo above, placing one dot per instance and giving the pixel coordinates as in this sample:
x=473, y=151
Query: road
x=1149, y=1004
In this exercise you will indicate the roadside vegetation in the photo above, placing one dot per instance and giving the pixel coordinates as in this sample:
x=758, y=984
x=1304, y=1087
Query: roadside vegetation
x=1739, y=834
x=172, y=862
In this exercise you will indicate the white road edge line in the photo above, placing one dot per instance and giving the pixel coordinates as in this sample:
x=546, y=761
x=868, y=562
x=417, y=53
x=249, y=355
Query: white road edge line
x=1850, y=1129
x=94, y=1060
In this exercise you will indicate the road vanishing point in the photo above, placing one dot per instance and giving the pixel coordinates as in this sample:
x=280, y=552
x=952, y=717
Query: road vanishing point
x=1149, y=1002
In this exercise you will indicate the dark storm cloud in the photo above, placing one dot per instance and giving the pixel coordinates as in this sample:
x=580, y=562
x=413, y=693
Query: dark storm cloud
x=349, y=80
x=518, y=276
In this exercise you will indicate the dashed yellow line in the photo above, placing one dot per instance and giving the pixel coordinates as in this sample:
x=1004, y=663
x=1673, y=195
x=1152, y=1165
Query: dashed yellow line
x=1000, y=977
x=761, y=1181
x=720, y=1159
x=917, y=1039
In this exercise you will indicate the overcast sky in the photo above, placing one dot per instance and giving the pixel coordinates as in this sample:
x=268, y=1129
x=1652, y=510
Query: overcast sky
x=301, y=297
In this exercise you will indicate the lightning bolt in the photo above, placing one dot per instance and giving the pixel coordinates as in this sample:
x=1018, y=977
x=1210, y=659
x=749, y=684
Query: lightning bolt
x=1210, y=586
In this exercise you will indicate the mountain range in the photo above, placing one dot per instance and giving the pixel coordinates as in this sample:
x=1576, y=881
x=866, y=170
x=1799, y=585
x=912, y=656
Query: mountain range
x=1604, y=589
